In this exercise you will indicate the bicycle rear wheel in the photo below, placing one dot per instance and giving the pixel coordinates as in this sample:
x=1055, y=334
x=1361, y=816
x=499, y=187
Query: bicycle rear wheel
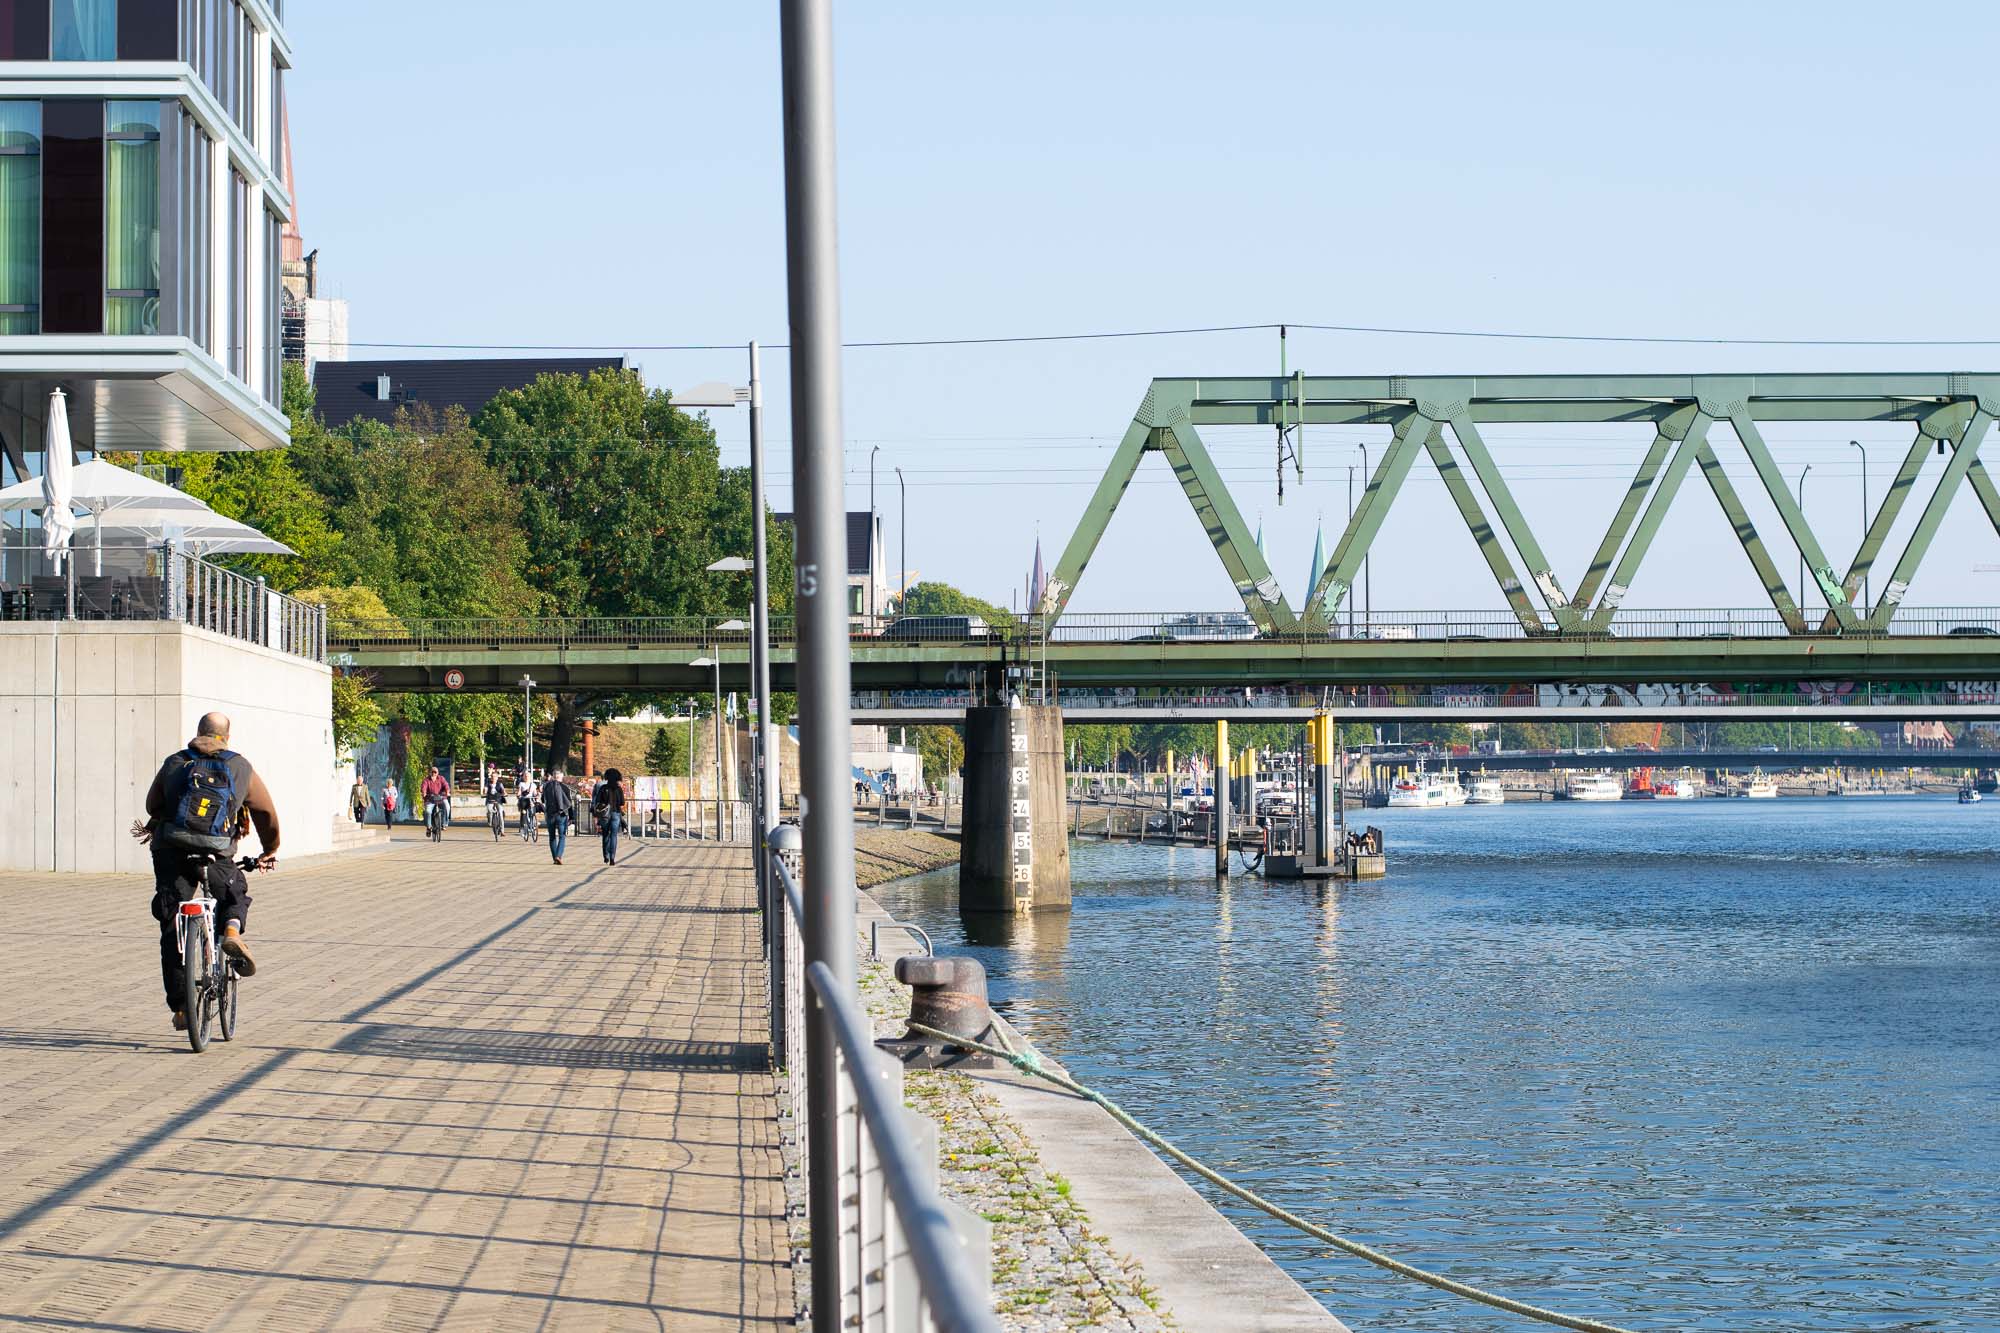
x=225, y=1006
x=194, y=986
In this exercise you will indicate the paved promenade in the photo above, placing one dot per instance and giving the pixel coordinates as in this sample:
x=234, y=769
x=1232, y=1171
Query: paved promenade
x=471, y=1090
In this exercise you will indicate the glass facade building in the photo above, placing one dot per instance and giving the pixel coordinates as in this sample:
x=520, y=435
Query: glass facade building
x=142, y=199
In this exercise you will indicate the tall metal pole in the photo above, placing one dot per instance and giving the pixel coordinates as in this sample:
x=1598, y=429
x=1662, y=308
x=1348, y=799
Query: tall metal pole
x=764, y=790
x=903, y=541
x=1350, y=523
x=527, y=727
x=1866, y=601
x=1367, y=561
x=825, y=727
x=874, y=613
x=1802, y=554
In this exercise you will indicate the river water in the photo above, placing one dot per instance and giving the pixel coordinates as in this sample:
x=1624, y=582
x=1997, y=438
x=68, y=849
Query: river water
x=1679, y=1065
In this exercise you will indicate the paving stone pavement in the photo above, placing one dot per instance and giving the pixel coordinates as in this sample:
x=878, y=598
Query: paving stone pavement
x=470, y=1090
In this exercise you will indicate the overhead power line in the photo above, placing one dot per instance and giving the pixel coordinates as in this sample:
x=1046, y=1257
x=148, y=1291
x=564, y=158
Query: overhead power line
x=1389, y=330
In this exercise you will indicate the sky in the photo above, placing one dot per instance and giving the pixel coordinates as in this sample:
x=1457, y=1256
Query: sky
x=506, y=172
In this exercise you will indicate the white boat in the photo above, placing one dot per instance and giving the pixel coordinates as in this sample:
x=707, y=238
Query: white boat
x=1760, y=788
x=1426, y=791
x=1596, y=787
x=1486, y=791
x=1967, y=795
x=1677, y=789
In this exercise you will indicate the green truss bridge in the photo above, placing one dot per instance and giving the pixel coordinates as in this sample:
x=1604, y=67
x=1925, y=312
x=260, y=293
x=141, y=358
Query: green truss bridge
x=1551, y=630
x=1942, y=649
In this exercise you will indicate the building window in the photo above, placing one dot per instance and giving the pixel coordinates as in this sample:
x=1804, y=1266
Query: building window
x=132, y=217
x=24, y=30
x=84, y=30
x=20, y=217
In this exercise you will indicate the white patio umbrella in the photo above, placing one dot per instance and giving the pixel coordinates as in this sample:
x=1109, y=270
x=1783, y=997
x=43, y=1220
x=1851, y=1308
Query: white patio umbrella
x=204, y=533
x=100, y=487
x=55, y=492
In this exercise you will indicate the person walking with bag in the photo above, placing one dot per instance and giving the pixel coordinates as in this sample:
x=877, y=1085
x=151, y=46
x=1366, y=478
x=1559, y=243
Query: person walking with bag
x=558, y=806
x=389, y=803
x=607, y=806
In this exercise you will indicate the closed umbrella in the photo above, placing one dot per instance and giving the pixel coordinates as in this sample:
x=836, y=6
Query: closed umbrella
x=56, y=497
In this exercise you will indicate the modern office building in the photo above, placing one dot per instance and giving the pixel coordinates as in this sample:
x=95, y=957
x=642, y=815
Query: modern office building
x=142, y=200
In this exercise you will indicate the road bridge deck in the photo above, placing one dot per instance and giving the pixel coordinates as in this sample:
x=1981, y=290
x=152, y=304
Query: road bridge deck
x=471, y=1090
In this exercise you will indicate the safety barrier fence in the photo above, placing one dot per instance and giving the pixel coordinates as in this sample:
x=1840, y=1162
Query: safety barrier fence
x=728, y=823
x=138, y=583
x=1138, y=628
x=907, y=1259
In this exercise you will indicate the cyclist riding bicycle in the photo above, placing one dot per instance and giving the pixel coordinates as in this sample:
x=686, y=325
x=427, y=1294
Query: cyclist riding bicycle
x=202, y=802
x=529, y=798
x=495, y=792
x=437, y=802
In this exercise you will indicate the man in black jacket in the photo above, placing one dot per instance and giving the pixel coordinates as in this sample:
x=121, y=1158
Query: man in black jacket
x=178, y=875
x=557, y=806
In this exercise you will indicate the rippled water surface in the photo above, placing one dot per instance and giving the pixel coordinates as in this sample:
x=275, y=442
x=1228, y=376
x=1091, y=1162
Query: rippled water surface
x=1713, y=1065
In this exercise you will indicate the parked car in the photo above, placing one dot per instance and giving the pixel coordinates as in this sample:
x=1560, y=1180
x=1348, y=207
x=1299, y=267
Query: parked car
x=1228, y=626
x=1972, y=632
x=948, y=629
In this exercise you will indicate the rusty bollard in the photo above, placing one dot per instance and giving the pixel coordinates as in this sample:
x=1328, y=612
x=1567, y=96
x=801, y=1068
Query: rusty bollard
x=948, y=994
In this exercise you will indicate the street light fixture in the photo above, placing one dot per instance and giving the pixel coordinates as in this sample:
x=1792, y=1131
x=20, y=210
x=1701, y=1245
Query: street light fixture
x=1866, y=601
x=874, y=625
x=764, y=742
x=1802, y=554
x=903, y=538
x=527, y=684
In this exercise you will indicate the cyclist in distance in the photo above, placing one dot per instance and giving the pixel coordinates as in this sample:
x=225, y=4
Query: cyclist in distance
x=199, y=790
x=437, y=798
x=495, y=791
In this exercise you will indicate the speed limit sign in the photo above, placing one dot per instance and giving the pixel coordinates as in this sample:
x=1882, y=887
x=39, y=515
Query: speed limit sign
x=454, y=679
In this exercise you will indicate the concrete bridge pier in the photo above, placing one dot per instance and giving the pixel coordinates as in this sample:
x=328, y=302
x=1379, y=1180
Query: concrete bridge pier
x=1014, y=856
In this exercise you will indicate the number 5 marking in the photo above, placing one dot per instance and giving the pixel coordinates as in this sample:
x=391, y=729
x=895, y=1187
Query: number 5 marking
x=808, y=580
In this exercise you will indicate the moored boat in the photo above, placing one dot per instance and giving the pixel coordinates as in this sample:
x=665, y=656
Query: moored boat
x=1596, y=787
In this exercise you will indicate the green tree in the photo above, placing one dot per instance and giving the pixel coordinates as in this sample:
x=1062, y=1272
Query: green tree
x=357, y=718
x=942, y=750
x=667, y=752
x=619, y=494
x=932, y=598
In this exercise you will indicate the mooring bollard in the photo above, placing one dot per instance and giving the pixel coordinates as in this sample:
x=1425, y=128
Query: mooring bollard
x=948, y=994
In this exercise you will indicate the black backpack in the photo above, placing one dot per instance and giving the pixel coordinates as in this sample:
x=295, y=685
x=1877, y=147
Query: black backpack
x=202, y=803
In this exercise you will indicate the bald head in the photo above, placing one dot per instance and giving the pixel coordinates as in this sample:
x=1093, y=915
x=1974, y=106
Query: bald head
x=213, y=724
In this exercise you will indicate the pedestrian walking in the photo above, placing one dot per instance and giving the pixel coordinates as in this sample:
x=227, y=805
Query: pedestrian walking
x=607, y=807
x=558, y=806
x=358, y=801
x=388, y=803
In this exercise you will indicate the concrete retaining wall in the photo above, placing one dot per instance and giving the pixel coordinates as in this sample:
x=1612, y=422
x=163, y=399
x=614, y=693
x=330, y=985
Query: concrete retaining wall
x=89, y=709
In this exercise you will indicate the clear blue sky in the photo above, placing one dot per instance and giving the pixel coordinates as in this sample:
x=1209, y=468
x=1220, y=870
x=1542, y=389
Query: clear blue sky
x=514, y=172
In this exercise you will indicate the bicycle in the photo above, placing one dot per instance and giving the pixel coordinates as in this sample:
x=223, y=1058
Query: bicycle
x=496, y=819
x=531, y=827
x=434, y=820
x=208, y=974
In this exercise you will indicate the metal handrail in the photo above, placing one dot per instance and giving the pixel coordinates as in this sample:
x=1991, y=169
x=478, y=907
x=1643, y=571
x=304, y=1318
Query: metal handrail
x=949, y=1295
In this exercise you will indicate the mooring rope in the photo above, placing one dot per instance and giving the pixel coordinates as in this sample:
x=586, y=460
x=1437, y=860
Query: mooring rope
x=1030, y=1063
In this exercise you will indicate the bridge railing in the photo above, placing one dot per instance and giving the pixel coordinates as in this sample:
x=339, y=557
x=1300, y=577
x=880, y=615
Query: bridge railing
x=904, y=1259
x=1128, y=627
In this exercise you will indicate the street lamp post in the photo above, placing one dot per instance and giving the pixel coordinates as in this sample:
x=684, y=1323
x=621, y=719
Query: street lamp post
x=1802, y=554
x=1350, y=524
x=1367, y=562
x=527, y=684
x=812, y=290
x=1866, y=601
x=874, y=625
x=763, y=749
x=902, y=537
